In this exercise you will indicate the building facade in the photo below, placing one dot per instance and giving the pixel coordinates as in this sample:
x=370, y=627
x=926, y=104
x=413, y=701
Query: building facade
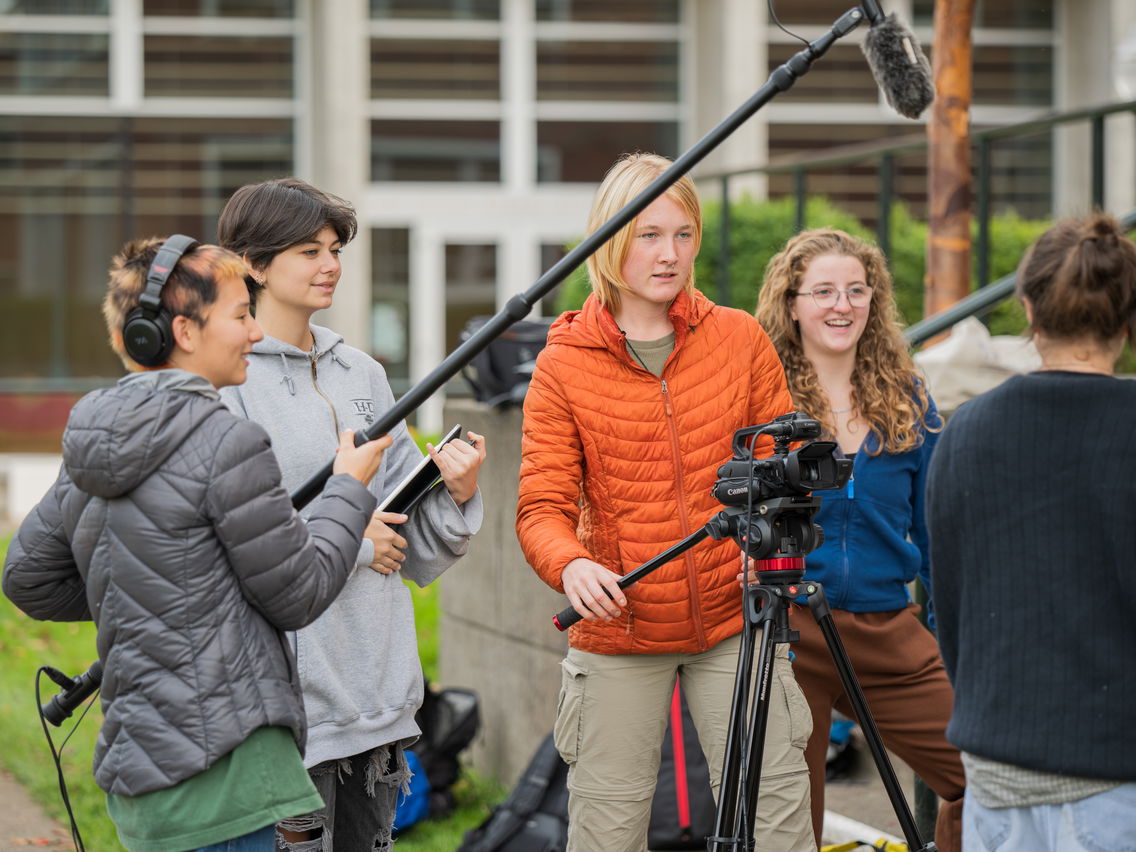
x=469, y=134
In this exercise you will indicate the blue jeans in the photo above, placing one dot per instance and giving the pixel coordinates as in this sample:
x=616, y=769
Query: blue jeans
x=1105, y=822
x=261, y=840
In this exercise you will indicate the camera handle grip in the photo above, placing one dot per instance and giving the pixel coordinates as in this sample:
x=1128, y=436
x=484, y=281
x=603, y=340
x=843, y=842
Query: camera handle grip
x=568, y=616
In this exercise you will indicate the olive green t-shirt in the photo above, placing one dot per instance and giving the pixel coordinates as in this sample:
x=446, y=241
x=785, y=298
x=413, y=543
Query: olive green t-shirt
x=651, y=354
x=259, y=783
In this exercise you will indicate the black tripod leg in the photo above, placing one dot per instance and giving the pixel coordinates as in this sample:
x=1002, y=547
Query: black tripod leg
x=760, y=605
x=818, y=603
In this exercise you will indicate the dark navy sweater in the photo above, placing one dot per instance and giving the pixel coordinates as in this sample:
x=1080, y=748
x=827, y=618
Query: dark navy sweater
x=1030, y=506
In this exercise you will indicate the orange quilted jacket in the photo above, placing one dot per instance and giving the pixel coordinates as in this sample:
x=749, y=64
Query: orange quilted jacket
x=617, y=466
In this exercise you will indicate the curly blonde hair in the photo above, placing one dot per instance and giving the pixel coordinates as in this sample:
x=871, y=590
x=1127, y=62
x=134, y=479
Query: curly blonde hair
x=886, y=386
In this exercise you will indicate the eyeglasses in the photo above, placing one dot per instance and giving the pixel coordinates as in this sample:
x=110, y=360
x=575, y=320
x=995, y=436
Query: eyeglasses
x=858, y=295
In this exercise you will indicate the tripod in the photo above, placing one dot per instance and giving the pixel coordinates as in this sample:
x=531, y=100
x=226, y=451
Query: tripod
x=767, y=606
x=777, y=539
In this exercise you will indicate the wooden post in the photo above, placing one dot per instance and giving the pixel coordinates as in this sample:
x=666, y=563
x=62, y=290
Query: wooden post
x=948, y=249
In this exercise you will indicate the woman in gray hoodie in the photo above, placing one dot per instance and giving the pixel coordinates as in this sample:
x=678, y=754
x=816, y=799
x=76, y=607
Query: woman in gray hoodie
x=359, y=665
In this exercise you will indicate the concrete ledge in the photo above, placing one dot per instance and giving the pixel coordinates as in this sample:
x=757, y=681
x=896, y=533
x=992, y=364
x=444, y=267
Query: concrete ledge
x=24, y=479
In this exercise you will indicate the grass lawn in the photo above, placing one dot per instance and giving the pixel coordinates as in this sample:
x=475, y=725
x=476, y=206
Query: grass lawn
x=25, y=645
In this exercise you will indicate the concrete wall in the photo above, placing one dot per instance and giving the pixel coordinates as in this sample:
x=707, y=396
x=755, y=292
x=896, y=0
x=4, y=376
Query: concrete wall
x=496, y=624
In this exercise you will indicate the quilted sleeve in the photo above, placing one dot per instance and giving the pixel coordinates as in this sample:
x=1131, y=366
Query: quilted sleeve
x=288, y=570
x=548, y=504
x=40, y=573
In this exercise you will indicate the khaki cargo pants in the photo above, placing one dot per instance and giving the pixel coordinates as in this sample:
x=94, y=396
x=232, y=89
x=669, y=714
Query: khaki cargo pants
x=610, y=723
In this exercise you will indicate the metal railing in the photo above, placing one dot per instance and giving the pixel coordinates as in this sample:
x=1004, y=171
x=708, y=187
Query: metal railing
x=884, y=156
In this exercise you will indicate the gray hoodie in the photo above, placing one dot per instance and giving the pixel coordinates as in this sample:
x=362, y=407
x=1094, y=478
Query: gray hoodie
x=358, y=662
x=169, y=528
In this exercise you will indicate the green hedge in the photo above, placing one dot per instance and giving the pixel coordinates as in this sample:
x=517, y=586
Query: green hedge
x=758, y=229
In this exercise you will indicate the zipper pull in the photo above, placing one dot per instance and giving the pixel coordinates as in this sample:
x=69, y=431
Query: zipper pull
x=666, y=399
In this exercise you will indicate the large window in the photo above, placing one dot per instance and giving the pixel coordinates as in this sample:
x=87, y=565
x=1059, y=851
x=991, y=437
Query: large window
x=390, y=303
x=630, y=11
x=435, y=151
x=57, y=7
x=471, y=286
x=645, y=71
x=479, y=10
x=74, y=189
x=54, y=63
x=208, y=66
x=582, y=151
x=435, y=68
x=220, y=8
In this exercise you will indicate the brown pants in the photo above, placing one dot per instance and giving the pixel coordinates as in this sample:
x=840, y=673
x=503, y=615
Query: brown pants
x=897, y=662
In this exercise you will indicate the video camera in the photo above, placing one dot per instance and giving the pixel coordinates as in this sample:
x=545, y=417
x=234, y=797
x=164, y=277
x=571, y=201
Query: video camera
x=770, y=502
x=813, y=467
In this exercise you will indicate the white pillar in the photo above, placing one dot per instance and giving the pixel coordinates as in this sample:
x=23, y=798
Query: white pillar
x=126, y=52
x=518, y=257
x=1082, y=78
x=334, y=142
x=427, y=316
x=1120, y=130
x=730, y=48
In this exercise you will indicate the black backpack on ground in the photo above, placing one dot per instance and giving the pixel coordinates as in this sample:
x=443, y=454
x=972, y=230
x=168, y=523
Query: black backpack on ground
x=534, y=817
x=499, y=374
x=683, y=811
x=449, y=719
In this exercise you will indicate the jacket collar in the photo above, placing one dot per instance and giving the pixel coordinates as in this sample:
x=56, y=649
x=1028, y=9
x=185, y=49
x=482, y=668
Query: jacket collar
x=594, y=327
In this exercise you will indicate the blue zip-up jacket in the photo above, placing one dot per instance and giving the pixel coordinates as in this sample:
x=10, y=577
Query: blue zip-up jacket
x=875, y=536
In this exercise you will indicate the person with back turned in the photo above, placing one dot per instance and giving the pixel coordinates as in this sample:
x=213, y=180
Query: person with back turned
x=169, y=528
x=1029, y=506
x=632, y=408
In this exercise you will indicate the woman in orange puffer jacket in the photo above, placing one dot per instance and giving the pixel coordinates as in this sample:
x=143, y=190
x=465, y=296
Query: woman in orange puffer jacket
x=631, y=410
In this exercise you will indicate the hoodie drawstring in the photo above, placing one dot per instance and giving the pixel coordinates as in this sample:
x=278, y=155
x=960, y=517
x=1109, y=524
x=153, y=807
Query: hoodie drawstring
x=287, y=378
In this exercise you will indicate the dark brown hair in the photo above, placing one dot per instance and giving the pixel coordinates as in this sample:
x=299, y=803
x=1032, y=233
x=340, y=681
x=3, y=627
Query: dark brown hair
x=261, y=220
x=1080, y=280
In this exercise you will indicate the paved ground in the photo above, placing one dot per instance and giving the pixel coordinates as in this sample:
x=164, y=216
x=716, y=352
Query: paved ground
x=23, y=824
x=861, y=800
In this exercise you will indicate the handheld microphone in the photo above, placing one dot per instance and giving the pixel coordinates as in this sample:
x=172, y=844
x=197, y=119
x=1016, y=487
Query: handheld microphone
x=899, y=66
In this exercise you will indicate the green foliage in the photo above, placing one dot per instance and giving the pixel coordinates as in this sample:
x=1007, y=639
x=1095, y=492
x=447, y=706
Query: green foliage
x=25, y=645
x=759, y=229
x=1010, y=236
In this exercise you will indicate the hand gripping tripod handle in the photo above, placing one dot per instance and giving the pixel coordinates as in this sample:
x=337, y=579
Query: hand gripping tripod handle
x=568, y=616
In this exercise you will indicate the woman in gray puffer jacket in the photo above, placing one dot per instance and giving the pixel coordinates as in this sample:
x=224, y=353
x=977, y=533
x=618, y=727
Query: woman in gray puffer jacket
x=168, y=526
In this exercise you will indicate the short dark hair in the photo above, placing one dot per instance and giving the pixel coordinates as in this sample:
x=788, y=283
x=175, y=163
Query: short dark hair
x=1080, y=279
x=261, y=220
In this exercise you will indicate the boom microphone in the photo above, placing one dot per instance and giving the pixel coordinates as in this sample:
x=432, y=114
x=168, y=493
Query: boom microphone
x=897, y=63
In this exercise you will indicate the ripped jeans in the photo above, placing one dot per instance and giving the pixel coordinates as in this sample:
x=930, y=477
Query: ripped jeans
x=360, y=794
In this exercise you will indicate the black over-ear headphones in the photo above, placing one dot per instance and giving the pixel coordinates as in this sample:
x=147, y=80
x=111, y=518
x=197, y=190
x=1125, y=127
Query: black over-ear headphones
x=148, y=334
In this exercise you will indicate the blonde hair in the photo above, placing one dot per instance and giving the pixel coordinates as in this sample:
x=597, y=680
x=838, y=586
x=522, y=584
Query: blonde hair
x=886, y=387
x=189, y=290
x=630, y=175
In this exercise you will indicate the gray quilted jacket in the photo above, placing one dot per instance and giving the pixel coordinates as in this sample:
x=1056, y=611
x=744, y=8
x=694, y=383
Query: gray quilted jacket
x=169, y=527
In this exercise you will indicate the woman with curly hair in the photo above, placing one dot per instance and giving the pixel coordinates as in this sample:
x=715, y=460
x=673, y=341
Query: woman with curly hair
x=828, y=305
